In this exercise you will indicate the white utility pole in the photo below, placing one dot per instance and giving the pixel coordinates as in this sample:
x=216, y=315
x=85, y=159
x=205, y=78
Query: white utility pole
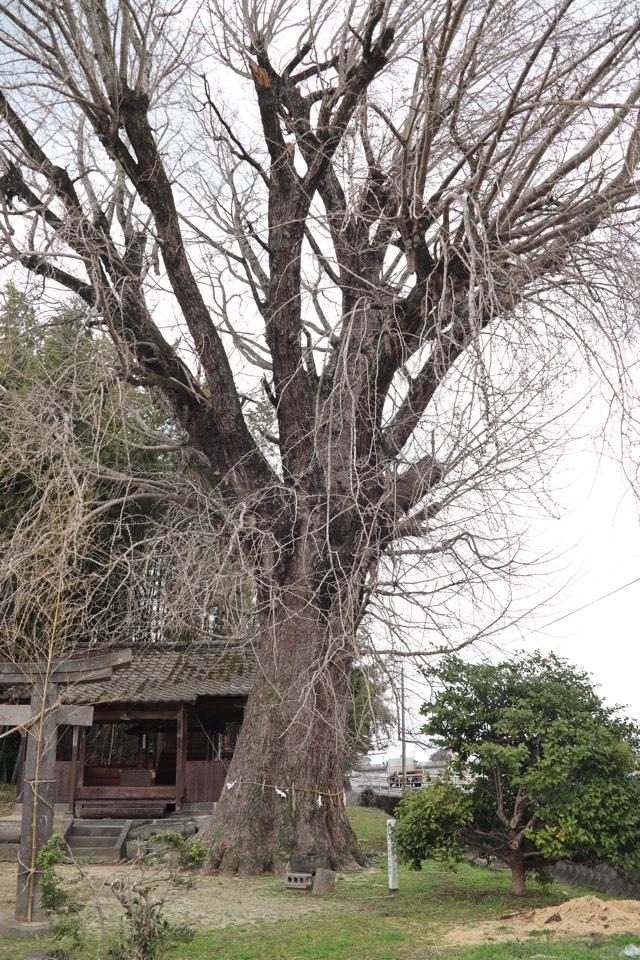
x=402, y=729
x=392, y=864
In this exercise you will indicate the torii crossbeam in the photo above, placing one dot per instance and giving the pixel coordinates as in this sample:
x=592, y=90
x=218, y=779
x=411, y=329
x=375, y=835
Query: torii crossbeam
x=40, y=721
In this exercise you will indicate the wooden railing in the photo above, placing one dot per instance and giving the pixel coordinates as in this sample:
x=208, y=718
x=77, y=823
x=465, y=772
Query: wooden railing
x=203, y=782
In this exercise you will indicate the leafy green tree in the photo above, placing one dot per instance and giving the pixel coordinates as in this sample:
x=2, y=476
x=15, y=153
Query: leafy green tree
x=544, y=770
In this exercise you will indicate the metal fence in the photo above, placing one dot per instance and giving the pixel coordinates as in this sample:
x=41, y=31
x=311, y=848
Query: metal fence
x=379, y=780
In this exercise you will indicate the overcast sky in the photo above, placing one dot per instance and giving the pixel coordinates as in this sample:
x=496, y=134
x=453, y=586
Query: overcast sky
x=598, y=536
x=594, y=548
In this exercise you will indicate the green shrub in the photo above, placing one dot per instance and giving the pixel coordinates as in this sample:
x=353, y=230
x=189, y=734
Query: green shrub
x=190, y=853
x=62, y=904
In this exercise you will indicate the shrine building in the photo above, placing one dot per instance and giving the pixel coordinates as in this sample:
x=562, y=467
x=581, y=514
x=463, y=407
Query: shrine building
x=163, y=733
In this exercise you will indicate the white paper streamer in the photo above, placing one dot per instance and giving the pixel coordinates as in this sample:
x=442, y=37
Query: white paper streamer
x=319, y=800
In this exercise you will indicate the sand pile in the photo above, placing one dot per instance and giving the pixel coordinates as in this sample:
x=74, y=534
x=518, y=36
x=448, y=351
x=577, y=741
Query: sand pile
x=591, y=913
x=578, y=917
x=595, y=912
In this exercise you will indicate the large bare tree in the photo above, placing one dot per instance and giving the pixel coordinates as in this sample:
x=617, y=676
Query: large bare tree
x=401, y=221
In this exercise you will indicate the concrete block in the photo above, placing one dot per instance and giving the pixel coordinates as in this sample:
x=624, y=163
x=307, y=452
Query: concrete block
x=298, y=881
x=10, y=831
x=18, y=928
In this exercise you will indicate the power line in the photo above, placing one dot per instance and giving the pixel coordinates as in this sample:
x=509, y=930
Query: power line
x=585, y=606
x=550, y=623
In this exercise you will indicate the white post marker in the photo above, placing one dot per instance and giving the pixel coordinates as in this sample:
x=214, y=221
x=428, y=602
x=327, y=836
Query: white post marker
x=392, y=863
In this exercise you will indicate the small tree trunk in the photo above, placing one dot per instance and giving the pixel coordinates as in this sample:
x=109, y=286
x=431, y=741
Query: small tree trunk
x=518, y=880
x=284, y=789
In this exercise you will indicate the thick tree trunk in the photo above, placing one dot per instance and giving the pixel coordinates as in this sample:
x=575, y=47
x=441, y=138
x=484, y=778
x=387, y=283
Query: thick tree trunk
x=518, y=880
x=284, y=789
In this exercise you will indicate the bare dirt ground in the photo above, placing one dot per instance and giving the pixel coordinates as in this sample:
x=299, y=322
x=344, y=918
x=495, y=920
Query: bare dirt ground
x=7, y=800
x=212, y=902
x=582, y=916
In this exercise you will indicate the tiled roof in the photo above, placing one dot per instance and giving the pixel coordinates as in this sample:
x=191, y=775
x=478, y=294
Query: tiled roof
x=171, y=676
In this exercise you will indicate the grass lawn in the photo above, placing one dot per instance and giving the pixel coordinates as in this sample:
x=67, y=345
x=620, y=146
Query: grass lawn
x=591, y=949
x=364, y=922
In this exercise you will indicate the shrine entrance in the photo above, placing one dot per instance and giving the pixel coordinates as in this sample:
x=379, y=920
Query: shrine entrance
x=120, y=736
x=129, y=763
x=139, y=760
x=119, y=753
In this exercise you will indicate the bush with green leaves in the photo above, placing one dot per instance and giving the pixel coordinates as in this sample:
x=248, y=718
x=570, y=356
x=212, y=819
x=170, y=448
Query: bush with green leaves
x=543, y=771
x=62, y=903
x=190, y=853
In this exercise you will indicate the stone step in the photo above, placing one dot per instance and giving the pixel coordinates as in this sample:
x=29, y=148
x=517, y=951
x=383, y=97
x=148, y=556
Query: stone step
x=96, y=830
x=102, y=822
x=96, y=810
x=83, y=842
x=131, y=809
x=10, y=831
x=96, y=854
x=9, y=851
x=184, y=825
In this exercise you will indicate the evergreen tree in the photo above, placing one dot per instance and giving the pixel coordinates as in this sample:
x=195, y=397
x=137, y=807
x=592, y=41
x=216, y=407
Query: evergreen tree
x=73, y=441
x=547, y=770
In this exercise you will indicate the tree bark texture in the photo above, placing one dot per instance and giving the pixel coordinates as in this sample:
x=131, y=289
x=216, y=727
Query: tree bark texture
x=518, y=877
x=284, y=789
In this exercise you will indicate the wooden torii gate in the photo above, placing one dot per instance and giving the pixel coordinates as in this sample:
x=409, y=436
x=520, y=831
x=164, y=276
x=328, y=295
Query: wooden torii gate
x=40, y=719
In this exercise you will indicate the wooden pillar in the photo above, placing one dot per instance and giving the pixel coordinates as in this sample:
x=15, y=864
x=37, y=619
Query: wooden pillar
x=82, y=756
x=39, y=781
x=181, y=742
x=71, y=799
x=38, y=799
